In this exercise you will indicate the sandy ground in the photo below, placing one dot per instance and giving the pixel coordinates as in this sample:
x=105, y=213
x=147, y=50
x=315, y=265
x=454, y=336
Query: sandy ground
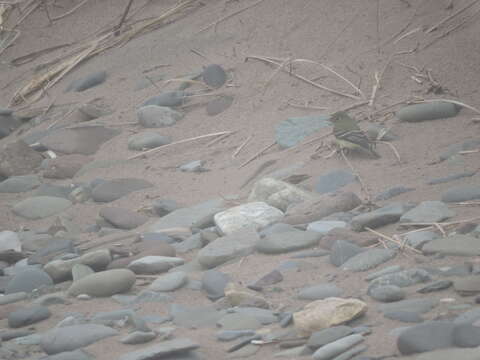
x=356, y=39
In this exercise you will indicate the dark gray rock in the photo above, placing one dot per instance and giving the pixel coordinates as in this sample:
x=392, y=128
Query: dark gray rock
x=213, y=283
x=229, y=335
x=334, y=180
x=164, y=349
x=194, y=317
x=320, y=291
x=380, y=217
x=426, y=337
x=368, y=259
x=419, y=238
x=337, y=347
x=167, y=99
x=235, y=321
x=291, y=131
x=214, y=76
x=420, y=305
x=115, y=189
x=219, y=105
x=458, y=245
x=123, y=218
x=17, y=158
x=468, y=317
x=87, y=82
x=18, y=184
x=403, y=316
x=451, y=178
x=467, y=285
x=402, y=278
x=271, y=278
x=428, y=211
x=342, y=251
x=40, y=207
x=147, y=140
x=28, y=280
x=264, y=316
x=60, y=191
x=466, y=335
x=278, y=243
x=153, y=116
x=387, y=293
x=327, y=336
x=461, y=193
x=387, y=270
x=436, y=286
x=392, y=192
x=428, y=111
x=28, y=316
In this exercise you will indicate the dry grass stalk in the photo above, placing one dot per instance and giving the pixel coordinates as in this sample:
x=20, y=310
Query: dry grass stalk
x=360, y=179
x=465, y=152
x=242, y=145
x=305, y=106
x=399, y=243
x=160, y=148
x=378, y=79
x=258, y=154
x=407, y=34
x=9, y=40
x=270, y=60
x=220, y=138
x=394, y=149
x=427, y=225
x=468, y=203
x=444, y=20
x=215, y=23
x=71, y=11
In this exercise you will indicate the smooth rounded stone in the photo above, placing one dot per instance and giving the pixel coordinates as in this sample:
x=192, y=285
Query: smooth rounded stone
x=154, y=264
x=337, y=347
x=276, y=228
x=28, y=316
x=153, y=116
x=436, y=286
x=265, y=316
x=199, y=215
x=403, y=278
x=457, y=245
x=320, y=291
x=466, y=335
x=104, y=283
x=403, y=316
x=420, y=238
x=387, y=293
x=334, y=180
x=68, y=338
x=168, y=349
x=283, y=242
x=138, y=337
x=464, y=269
x=169, y=282
x=226, y=248
x=51, y=299
x=10, y=242
x=254, y=214
x=64, y=167
x=151, y=237
x=167, y=99
x=17, y=158
x=392, y=192
x=164, y=207
x=237, y=321
x=327, y=336
x=368, y=259
x=55, y=248
x=13, y=297
x=194, y=317
x=461, y=193
x=426, y=337
x=452, y=177
x=18, y=184
x=380, y=217
x=294, y=351
x=6, y=335
x=219, y=105
x=419, y=305
x=311, y=254
x=53, y=190
x=342, y=251
x=95, y=109
x=229, y=335
x=123, y=218
x=271, y=278
x=387, y=270
x=293, y=130
x=85, y=140
x=147, y=140
x=87, y=82
x=193, y=166
x=321, y=314
x=214, y=76
x=40, y=207
x=70, y=355
x=115, y=189
x=352, y=352
x=79, y=271
x=427, y=111
x=277, y=193
x=324, y=226
x=428, y=211
x=28, y=280
x=468, y=285
x=444, y=354
x=468, y=317
x=237, y=295
x=213, y=283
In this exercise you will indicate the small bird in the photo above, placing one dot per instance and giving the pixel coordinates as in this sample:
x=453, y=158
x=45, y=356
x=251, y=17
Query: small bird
x=348, y=134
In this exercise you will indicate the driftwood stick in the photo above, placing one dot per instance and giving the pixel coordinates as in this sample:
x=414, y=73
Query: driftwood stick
x=160, y=148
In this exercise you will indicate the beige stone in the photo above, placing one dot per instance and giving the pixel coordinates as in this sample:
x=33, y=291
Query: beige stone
x=240, y=296
x=321, y=314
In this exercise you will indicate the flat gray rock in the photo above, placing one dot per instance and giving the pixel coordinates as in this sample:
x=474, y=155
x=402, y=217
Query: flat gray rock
x=420, y=305
x=164, y=349
x=237, y=321
x=445, y=354
x=320, y=291
x=459, y=245
x=324, y=226
x=154, y=264
x=153, y=116
x=169, y=282
x=68, y=338
x=40, y=207
x=427, y=111
x=199, y=215
x=436, y=286
x=419, y=238
x=403, y=316
x=18, y=184
x=265, y=316
x=115, y=189
x=28, y=280
x=138, y=337
x=226, y=248
x=387, y=293
x=213, y=283
x=426, y=337
x=428, y=211
x=403, y=278
x=10, y=242
x=147, y=140
x=337, y=347
x=466, y=335
x=334, y=180
x=343, y=250
x=454, y=149
x=70, y=355
x=194, y=317
x=461, y=193
x=219, y=105
x=328, y=335
x=214, y=76
x=28, y=316
x=17, y=158
x=392, y=192
x=123, y=218
x=293, y=130
x=467, y=285
x=104, y=283
x=387, y=270
x=167, y=99
x=380, y=217
x=369, y=259
x=61, y=191
x=278, y=243
x=87, y=82
x=85, y=140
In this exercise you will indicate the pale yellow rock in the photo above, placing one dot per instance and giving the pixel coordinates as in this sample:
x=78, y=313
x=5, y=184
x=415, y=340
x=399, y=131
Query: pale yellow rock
x=321, y=314
x=240, y=296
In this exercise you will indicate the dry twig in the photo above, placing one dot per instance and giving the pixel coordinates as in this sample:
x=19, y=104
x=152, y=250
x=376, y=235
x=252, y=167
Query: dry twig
x=378, y=79
x=242, y=145
x=69, y=12
x=258, y=154
x=355, y=172
x=399, y=243
x=397, y=155
x=444, y=20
